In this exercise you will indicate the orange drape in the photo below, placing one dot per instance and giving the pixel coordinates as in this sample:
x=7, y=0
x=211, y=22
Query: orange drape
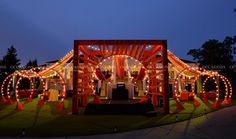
x=120, y=71
x=141, y=74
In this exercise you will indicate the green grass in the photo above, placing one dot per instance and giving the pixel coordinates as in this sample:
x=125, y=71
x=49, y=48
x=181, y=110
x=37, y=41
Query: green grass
x=48, y=121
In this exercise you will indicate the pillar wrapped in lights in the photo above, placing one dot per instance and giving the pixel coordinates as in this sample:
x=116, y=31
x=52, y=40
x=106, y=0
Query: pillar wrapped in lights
x=10, y=101
x=19, y=105
x=3, y=99
x=216, y=103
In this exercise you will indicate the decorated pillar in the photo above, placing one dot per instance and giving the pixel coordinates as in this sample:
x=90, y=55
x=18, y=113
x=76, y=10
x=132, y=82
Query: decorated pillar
x=165, y=79
x=75, y=101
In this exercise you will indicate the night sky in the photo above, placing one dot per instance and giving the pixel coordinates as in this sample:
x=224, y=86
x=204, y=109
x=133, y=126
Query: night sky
x=45, y=29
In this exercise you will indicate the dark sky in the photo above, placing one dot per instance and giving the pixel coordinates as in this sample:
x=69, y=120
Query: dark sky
x=45, y=29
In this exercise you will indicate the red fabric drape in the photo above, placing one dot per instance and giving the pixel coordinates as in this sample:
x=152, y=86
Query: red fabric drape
x=141, y=74
x=100, y=74
x=120, y=71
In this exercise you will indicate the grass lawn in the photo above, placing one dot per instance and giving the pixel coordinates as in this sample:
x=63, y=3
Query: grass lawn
x=48, y=121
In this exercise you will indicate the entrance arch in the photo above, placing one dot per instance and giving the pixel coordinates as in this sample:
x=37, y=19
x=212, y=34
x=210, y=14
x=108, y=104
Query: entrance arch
x=227, y=85
x=148, y=52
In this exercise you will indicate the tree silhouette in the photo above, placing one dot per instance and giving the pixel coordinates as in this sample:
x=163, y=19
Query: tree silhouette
x=215, y=55
x=9, y=63
x=10, y=60
x=31, y=64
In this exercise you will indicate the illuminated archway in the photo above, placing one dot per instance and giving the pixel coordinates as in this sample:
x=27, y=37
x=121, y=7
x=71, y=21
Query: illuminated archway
x=63, y=84
x=41, y=77
x=177, y=95
x=17, y=87
x=228, y=89
x=216, y=84
x=6, y=81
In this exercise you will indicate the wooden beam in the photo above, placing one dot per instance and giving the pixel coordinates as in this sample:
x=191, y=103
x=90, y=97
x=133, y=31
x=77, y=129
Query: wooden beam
x=138, y=51
x=157, y=60
x=142, y=52
x=108, y=47
x=104, y=50
x=118, y=50
x=89, y=60
x=122, y=48
x=151, y=56
x=86, y=51
x=154, y=49
x=132, y=50
x=101, y=51
x=113, y=49
x=127, y=49
x=108, y=52
x=119, y=42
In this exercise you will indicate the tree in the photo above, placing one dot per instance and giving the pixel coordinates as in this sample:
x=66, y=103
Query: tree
x=31, y=64
x=10, y=60
x=215, y=55
x=9, y=63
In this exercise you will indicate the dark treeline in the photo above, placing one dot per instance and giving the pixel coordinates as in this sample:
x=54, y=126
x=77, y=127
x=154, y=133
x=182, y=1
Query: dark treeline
x=10, y=63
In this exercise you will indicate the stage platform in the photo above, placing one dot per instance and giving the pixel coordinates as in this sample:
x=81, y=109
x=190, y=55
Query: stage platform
x=119, y=107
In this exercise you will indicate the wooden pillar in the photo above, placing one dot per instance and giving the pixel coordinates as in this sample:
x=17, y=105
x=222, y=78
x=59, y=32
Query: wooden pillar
x=75, y=103
x=165, y=81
